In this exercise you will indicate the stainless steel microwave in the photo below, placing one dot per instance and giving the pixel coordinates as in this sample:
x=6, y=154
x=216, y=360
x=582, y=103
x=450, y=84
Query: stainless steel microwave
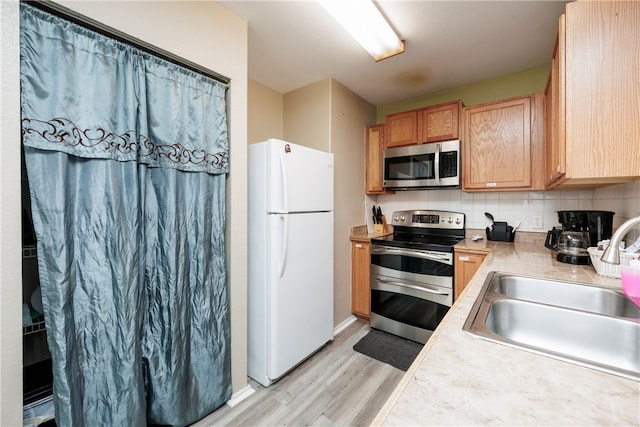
x=432, y=165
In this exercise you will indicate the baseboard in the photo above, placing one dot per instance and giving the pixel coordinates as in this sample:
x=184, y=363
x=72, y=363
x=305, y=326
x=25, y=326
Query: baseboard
x=344, y=325
x=240, y=396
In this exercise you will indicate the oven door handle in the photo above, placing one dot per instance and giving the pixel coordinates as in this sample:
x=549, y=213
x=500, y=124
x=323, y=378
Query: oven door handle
x=433, y=256
x=405, y=285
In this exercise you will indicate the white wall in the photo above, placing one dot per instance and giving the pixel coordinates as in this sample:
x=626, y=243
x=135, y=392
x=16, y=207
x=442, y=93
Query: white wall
x=10, y=214
x=624, y=200
x=265, y=115
x=350, y=114
x=327, y=116
x=201, y=31
x=307, y=115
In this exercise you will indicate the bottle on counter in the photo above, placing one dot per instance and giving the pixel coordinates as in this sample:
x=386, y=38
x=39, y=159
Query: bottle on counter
x=630, y=274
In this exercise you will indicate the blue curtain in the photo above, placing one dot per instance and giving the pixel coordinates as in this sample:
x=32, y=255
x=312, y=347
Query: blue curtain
x=126, y=158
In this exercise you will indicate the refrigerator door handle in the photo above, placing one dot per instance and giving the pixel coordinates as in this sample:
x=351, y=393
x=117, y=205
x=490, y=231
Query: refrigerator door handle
x=285, y=240
x=285, y=185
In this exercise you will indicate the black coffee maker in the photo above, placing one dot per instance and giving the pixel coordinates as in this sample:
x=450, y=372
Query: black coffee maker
x=580, y=230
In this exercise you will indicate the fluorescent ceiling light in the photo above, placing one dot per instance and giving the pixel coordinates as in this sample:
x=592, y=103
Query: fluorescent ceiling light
x=365, y=23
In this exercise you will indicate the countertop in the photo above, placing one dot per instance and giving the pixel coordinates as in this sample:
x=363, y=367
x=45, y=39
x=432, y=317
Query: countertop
x=459, y=379
x=360, y=233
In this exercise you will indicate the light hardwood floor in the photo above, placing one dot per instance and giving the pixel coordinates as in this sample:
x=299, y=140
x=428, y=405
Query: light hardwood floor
x=337, y=386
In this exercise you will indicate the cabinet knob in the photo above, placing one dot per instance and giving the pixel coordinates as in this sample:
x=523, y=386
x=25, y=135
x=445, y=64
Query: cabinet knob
x=358, y=245
x=463, y=258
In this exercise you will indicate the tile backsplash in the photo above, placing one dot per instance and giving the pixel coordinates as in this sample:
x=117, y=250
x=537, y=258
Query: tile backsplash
x=515, y=207
x=624, y=200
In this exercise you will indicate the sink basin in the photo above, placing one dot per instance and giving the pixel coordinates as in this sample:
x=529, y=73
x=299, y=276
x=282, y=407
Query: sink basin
x=602, y=340
x=569, y=295
x=579, y=323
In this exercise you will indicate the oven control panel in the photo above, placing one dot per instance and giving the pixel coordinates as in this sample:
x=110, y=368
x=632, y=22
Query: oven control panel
x=429, y=219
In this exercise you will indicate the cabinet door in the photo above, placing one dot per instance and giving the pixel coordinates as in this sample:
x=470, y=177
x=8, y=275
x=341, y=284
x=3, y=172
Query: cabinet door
x=300, y=315
x=555, y=112
x=360, y=276
x=401, y=129
x=440, y=122
x=373, y=164
x=602, y=91
x=466, y=264
x=497, y=145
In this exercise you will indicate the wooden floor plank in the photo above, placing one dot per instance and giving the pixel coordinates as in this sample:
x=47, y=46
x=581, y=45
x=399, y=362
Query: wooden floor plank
x=337, y=386
x=361, y=390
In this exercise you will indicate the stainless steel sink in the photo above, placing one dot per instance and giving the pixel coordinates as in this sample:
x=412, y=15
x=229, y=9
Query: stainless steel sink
x=579, y=296
x=579, y=323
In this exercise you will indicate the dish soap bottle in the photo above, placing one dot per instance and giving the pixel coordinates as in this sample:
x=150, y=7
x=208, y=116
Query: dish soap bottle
x=631, y=280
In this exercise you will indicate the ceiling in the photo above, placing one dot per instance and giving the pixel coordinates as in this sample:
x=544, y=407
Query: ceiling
x=448, y=44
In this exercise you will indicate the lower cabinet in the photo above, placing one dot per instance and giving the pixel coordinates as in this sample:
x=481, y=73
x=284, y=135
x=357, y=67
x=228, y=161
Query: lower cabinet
x=360, y=278
x=466, y=263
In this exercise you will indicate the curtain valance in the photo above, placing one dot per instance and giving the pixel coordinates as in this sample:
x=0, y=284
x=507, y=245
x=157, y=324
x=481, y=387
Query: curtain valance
x=91, y=96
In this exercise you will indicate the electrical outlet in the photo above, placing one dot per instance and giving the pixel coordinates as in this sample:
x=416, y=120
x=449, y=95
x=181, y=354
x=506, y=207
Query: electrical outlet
x=537, y=222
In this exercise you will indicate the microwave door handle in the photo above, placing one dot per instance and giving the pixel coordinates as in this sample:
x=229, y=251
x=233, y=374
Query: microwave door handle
x=436, y=163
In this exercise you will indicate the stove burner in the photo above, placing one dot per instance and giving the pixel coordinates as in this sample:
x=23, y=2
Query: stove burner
x=427, y=243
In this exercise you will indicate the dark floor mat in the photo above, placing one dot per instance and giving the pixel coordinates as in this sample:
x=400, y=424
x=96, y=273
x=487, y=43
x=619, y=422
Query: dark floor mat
x=387, y=348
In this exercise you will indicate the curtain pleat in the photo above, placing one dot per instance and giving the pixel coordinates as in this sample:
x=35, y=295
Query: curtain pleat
x=186, y=334
x=92, y=289
x=126, y=157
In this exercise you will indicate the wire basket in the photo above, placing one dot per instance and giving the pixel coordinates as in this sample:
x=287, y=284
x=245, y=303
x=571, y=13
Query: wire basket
x=606, y=269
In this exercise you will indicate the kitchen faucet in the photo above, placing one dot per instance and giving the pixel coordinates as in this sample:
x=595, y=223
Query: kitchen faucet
x=611, y=255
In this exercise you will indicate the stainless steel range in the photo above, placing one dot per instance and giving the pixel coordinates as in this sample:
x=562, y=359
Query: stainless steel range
x=412, y=272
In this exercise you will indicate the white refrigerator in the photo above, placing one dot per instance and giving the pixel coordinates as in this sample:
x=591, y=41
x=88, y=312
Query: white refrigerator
x=290, y=251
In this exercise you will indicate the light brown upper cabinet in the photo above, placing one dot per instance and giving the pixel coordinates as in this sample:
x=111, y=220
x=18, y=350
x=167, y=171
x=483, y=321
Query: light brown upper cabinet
x=555, y=111
x=503, y=145
x=440, y=122
x=598, y=82
x=429, y=124
x=374, y=145
x=401, y=129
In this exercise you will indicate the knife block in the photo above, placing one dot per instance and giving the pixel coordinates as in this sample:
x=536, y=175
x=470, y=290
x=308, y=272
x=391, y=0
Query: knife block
x=381, y=228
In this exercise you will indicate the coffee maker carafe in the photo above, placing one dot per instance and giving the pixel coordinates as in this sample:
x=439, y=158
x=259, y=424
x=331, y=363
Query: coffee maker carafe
x=580, y=229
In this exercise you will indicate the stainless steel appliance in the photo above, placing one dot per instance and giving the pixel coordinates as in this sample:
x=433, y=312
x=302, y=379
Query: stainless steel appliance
x=412, y=272
x=580, y=229
x=422, y=166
